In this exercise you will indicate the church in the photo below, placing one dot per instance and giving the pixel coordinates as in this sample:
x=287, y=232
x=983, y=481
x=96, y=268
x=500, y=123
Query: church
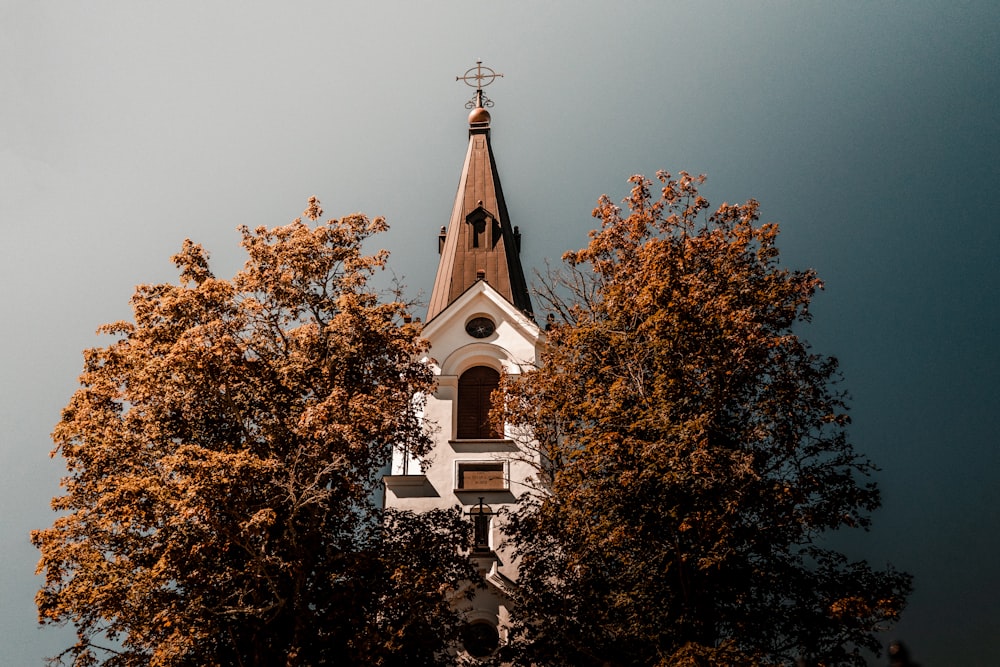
x=479, y=325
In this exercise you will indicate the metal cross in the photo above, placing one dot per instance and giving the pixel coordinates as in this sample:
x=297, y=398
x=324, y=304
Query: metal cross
x=483, y=76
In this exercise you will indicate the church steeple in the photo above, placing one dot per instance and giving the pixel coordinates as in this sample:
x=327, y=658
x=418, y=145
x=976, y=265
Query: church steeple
x=480, y=243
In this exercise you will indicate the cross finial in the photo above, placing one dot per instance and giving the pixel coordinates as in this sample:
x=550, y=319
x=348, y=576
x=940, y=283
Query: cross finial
x=483, y=76
x=478, y=77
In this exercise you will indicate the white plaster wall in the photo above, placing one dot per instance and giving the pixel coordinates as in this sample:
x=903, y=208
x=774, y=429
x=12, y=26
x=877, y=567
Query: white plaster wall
x=510, y=349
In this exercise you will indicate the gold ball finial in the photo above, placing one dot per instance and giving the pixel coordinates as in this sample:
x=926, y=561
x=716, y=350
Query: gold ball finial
x=479, y=116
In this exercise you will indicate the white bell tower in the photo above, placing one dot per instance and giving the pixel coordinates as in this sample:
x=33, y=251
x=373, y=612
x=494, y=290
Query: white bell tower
x=479, y=325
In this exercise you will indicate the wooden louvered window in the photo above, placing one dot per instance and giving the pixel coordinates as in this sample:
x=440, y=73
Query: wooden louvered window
x=474, y=389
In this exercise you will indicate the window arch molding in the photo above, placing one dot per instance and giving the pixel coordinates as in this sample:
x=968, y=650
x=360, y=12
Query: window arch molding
x=479, y=354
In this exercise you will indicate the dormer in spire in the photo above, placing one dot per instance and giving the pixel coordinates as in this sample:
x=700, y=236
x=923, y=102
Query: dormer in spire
x=480, y=243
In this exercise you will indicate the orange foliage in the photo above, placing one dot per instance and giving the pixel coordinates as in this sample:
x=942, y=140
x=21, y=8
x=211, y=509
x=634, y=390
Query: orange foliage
x=694, y=448
x=222, y=453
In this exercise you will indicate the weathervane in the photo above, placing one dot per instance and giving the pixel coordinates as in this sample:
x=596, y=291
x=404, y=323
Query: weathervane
x=478, y=77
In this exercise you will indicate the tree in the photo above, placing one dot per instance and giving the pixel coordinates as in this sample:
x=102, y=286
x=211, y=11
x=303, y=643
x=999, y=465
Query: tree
x=223, y=452
x=694, y=452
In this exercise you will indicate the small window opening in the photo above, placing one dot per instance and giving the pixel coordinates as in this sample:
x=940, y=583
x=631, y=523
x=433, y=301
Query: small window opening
x=485, y=476
x=481, y=515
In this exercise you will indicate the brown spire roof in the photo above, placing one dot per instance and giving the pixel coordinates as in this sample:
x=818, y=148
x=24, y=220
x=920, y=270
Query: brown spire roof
x=480, y=243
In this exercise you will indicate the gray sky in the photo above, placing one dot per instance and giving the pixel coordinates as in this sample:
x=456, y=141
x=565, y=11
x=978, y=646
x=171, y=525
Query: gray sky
x=869, y=131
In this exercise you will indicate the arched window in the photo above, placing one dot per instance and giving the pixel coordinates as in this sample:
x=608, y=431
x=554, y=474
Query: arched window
x=474, y=388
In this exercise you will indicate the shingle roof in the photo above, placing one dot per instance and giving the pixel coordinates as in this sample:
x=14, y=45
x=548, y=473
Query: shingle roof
x=480, y=243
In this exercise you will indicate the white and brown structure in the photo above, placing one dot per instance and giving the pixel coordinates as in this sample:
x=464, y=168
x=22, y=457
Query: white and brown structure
x=479, y=325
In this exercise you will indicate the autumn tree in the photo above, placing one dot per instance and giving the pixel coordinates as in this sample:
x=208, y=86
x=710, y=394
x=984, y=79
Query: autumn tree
x=222, y=456
x=694, y=454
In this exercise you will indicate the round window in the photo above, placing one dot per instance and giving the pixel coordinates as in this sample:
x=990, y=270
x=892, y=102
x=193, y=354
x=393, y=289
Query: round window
x=480, y=639
x=480, y=327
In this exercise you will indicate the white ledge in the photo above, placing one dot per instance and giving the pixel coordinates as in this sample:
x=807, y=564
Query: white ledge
x=404, y=480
